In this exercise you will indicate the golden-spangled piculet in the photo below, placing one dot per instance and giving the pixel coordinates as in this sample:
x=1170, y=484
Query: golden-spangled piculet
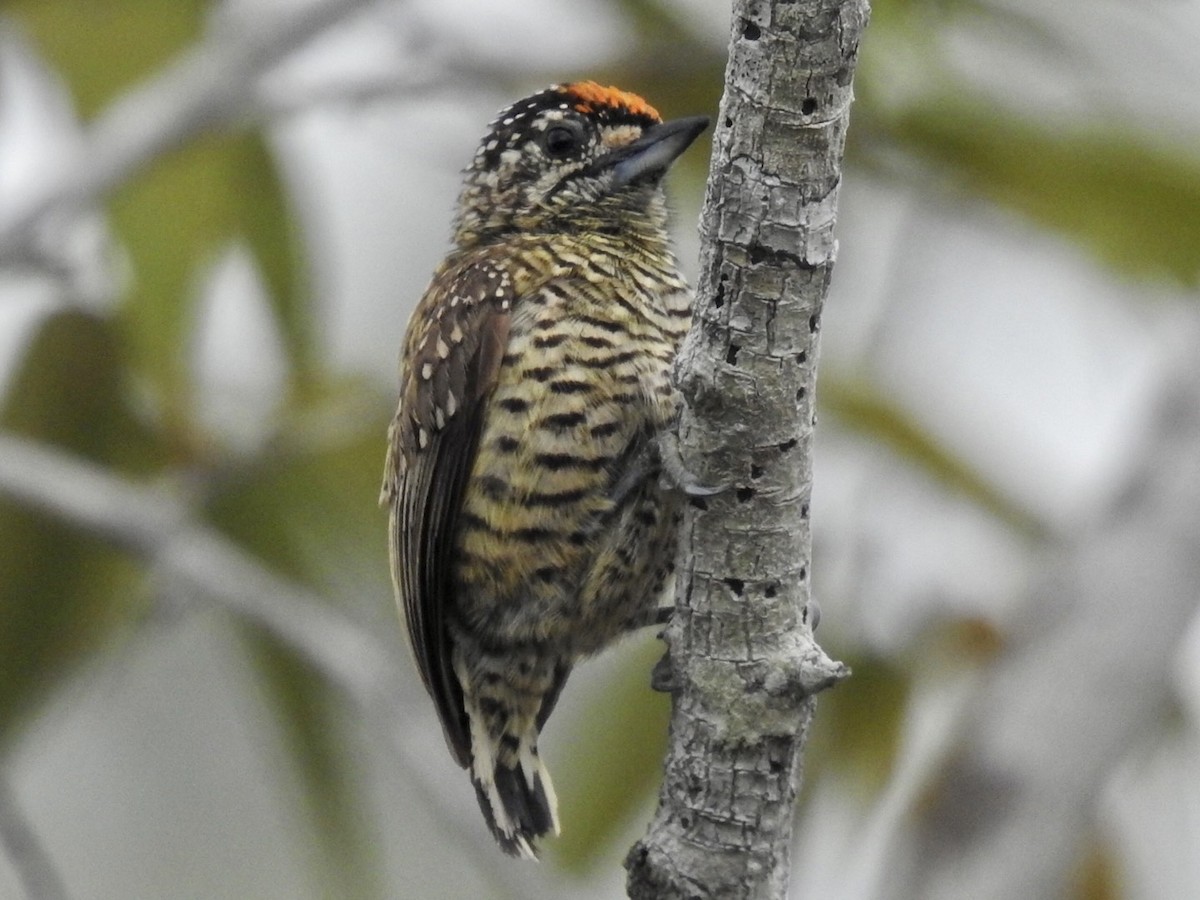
x=528, y=526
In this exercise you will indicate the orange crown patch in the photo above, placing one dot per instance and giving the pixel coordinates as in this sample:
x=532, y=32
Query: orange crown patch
x=590, y=97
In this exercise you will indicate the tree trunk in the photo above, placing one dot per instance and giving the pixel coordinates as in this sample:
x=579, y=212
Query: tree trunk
x=742, y=664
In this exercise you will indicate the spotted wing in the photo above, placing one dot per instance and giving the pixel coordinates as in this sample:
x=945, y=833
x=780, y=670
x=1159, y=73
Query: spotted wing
x=453, y=350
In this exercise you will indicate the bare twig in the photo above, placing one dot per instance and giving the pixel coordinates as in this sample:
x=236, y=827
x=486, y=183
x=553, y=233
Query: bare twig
x=157, y=527
x=32, y=865
x=209, y=84
x=276, y=102
x=191, y=558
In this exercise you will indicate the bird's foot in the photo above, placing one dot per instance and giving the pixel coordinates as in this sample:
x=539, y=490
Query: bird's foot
x=676, y=476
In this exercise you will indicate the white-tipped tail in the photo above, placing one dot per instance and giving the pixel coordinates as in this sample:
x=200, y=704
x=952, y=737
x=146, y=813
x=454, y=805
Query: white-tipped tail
x=513, y=788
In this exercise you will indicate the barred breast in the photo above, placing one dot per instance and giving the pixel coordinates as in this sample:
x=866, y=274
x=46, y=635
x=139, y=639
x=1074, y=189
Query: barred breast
x=565, y=536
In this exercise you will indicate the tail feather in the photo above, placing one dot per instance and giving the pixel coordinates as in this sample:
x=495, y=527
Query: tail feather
x=518, y=802
x=506, y=700
x=517, y=814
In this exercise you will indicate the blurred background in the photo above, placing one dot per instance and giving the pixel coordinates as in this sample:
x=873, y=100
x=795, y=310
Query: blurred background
x=215, y=218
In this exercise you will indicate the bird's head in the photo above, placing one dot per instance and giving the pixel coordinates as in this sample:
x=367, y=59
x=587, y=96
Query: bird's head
x=574, y=156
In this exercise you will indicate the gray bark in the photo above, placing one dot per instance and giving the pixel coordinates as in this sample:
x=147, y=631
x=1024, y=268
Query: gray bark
x=742, y=663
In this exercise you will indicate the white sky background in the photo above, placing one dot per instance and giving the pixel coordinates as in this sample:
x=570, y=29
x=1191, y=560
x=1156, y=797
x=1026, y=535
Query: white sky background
x=1011, y=347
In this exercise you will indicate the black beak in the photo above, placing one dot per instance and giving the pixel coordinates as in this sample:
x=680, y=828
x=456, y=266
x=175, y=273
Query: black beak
x=656, y=149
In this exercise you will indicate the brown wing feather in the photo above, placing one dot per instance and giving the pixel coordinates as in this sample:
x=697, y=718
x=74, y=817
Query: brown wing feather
x=453, y=350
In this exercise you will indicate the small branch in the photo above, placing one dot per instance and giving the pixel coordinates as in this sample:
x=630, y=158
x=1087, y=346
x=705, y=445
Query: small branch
x=199, y=562
x=279, y=103
x=1014, y=813
x=742, y=656
x=157, y=527
x=32, y=865
x=210, y=84
x=429, y=74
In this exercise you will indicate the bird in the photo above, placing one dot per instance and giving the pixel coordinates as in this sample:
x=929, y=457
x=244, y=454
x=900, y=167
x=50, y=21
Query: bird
x=530, y=524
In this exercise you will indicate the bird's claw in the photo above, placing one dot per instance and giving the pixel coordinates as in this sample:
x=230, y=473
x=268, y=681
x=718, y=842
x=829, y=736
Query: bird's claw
x=676, y=476
x=693, y=488
x=662, y=678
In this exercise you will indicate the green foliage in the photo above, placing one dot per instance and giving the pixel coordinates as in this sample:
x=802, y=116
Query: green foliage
x=613, y=764
x=308, y=503
x=306, y=709
x=1115, y=187
x=1097, y=874
x=859, y=724
x=260, y=214
x=307, y=509
x=173, y=221
x=65, y=592
x=102, y=47
x=866, y=410
x=61, y=592
x=1118, y=192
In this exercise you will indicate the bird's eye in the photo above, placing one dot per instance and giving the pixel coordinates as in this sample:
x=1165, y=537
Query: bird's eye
x=562, y=140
